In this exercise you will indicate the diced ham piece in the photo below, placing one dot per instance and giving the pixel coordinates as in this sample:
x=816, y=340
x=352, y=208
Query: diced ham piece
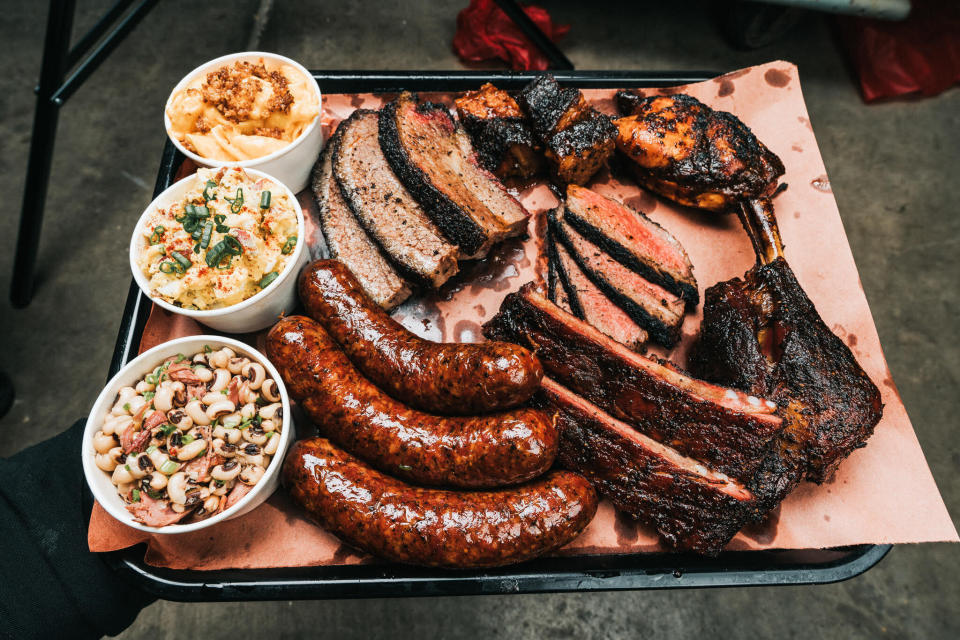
x=236, y=495
x=183, y=373
x=155, y=513
x=203, y=465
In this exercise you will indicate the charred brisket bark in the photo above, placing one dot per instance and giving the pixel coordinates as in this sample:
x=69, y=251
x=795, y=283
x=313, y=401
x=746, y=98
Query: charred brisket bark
x=383, y=206
x=347, y=240
x=436, y=162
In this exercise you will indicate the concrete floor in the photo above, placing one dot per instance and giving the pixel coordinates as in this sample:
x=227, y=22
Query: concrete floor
x=892, y=167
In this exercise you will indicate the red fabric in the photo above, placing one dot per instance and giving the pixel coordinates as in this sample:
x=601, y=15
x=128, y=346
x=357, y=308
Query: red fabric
x=484, y=31
x=918, y=55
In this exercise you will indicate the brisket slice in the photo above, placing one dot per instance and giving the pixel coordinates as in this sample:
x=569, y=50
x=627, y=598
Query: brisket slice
x=348, y=242
x=550, y=107
x=556, y=289
x=762, y=334
x=651, y=306
x=726, y=429
x=504, y=143
x=634, y=240
x=385, y=208
x=435, y=160
x=692, y=507
x=595, y=307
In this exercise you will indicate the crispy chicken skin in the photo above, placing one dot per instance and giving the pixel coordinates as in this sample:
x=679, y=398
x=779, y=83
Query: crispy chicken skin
x=687, y=152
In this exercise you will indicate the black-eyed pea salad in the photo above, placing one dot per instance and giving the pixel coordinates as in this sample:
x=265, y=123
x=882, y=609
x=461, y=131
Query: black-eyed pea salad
x=192, y=437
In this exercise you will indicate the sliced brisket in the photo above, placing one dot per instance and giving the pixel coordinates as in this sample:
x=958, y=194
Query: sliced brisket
x=437, y=163
x=595, y=307
x=634, y=240
x=348, y=242
x=729, y=430
x=651, y=306
x=692, y=507
x=385, y=208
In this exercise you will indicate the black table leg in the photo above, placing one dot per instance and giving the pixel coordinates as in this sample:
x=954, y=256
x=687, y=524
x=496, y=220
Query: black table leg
x=56, y=45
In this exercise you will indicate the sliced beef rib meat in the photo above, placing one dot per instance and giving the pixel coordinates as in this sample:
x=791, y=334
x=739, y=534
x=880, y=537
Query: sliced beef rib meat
x=632, y=239
x=347, y=240
x=385, y=208
x=503, y=141
x=692, y=507
x=436, y=161
x=651, y=306
x=729, y=430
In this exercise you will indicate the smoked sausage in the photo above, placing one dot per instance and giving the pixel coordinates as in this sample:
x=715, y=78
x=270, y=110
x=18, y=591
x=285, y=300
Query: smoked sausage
x=452, y=379
x=472, y=452
x=435, y=527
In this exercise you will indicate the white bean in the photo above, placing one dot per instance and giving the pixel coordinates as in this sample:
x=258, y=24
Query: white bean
x=204, y=374
x=177, y=488
x=221, y=357
x=103, y=442
x=221, y=380
x=226, y=471
x=136, y=403
x=270, y=390
x=251, y=475
x=124, y=396
x=197, y=413
x=218, y=490
x=163, y=400
x=254, y=374
x=232, y=420
x=255, y=435
x=116, y=424
x=268, y=425
x=246, y=394
x=136, y=470
x=220, y=408
x=211, y=504
x=235, y=365
x=143, y=387
x=158, y=481
x=191, y=450
x=222, y=448
x=272, y=411
x=273, y=443
x=108, y=461
x=121, y=475
x=248, y=411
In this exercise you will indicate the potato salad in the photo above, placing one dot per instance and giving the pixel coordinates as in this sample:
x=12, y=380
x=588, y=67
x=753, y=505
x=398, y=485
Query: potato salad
x=227, y=240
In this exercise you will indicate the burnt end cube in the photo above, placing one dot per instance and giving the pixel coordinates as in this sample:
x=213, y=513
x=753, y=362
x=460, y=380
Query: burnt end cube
x=506, y=148
x=504, y=143
x=550, y=107
x=577, y=152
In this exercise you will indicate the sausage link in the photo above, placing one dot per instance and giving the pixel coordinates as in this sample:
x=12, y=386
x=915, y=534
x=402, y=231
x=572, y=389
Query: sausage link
x=472, y=452
x=452, y=379
x=435, y=527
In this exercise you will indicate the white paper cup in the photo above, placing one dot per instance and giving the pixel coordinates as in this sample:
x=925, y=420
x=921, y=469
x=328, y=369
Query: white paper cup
x=290, y=165
x=256, y=312
x=98, y=480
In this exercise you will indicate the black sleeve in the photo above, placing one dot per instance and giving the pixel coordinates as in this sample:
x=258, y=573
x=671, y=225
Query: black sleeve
x=51, y=585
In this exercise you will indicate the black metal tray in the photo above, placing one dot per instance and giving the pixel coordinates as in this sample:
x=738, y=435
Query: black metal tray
x=557, y=574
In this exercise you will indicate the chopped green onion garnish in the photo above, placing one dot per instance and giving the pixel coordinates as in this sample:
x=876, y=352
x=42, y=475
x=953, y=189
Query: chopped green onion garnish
x=218, y=221
x=205, y=235
x=157, y=234
x=289, y=245
x=197, y=211
x=127, y=467
x=232, y=246
x=183, y=261
x=136, y=495
x=268, y=278
x=126, y=407
x=265, y=200
x=207, y=194
x=187, y=439
x=167, y=267
x=151, y=379
x=405, y=467
x=153, y=448
x=168, y=428
x=207, y=348
x=237, y=203
x=169, y=467
x=148, y=395
x=156, y=495
x=180, y=358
